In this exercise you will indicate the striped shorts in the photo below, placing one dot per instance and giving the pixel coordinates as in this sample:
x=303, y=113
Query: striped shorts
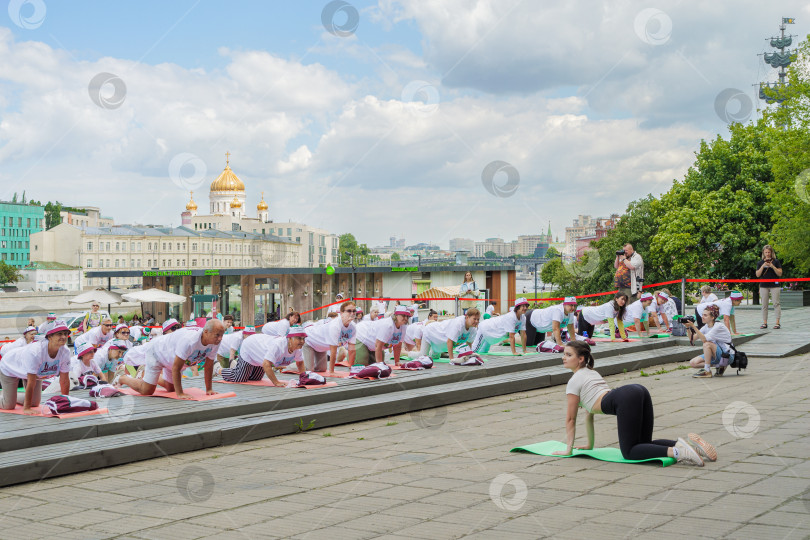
x=243, y=372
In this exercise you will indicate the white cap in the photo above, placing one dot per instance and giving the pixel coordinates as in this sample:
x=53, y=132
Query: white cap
x=402, y=310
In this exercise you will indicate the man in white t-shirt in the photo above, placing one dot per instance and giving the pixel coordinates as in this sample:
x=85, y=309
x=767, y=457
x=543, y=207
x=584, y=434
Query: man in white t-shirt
x=638, y=313
x=226, y=353
x=335, y=308
x=167, y=356
x=553, y=319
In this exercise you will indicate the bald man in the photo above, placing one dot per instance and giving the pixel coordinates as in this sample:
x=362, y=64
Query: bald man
x=169, y=355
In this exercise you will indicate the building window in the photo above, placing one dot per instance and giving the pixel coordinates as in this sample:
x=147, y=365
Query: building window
x=194, y=246
x=139, y=246
x=116, y=263
x=89, y=246
x=178, y=262
x=193, y=262
x=108, y=246
x=89, y=263
x=117, y=246
x=178, y=246
x=164, y=245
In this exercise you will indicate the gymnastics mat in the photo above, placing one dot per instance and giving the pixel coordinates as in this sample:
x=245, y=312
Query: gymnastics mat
x=197, y=394
x=46, y=412
x=547, y=448
x=266, y=382
x=659, y=336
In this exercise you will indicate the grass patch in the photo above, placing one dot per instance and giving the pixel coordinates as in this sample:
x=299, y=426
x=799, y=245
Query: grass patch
x=392, y=423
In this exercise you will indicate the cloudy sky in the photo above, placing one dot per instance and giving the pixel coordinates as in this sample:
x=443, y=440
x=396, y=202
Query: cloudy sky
x=425, y=120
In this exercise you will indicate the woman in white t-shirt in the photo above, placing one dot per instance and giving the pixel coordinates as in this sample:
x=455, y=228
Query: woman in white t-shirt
x=280, y=328
x=633, y=408
x=325, y=340
x=551, y=319
x=612, y=311
x=495, y=330
x=373, y=337
x=443, y=337
x=637, y=314
x=716, y=340
x=706, y=297
x=27, y=338
x=97, y=336
x=32, y=363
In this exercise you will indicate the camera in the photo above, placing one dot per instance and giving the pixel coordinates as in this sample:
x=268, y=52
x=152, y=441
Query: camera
x=619, y=252
x=683, y=319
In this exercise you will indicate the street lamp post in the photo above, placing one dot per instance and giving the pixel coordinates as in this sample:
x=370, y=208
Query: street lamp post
x=351, y=262
x=535, y=280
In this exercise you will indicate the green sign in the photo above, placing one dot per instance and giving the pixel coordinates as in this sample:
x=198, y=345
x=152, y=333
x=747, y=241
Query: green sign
x=404, y=269
x=212, y=272
x=158, y=273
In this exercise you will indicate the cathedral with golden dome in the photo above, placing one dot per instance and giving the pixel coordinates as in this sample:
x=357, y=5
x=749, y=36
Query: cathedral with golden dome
x=227, y=206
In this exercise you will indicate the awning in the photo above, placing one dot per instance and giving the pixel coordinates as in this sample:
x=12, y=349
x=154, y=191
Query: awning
x=451, y=291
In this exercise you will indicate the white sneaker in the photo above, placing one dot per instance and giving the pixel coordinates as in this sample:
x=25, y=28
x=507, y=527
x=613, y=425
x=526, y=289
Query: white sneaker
x=706, y=450
x=217, y=369
x=687, y=454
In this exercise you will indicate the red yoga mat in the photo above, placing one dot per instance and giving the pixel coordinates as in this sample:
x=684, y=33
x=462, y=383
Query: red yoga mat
x=197, y=394
x=333, y=375
x=266, y=382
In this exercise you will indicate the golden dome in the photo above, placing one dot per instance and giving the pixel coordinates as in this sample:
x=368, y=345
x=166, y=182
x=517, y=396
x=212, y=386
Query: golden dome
x=227, y=181
x=262, y=205
x=236, y=203
x=191, y=204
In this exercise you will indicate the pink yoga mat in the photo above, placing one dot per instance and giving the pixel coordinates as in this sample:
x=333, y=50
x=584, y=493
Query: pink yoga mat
x=333, y=375
x=406, y=368
x=266, y=382
x=45, y=411
x=197, y=394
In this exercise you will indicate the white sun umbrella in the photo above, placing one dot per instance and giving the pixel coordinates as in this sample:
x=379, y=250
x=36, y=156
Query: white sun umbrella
x=102, y=296
x=154, y=295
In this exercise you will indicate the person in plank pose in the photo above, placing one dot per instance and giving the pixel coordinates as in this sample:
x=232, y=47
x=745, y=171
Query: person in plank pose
x=167, y=356
x=230, y=344
x=331, y=337
x=441, y=337
x=32, y=363
x=495, y=330
x=633, y=408
x=280, y=328
x=262, y=355
x=376, y=336
x=551, y=319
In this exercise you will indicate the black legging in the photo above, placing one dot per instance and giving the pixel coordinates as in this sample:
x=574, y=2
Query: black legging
x=633, y=408
x=584, y=326
x=533, y=337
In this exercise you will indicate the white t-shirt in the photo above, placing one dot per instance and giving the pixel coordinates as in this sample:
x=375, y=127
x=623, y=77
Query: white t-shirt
x=383, y=330
x=276, y=328
x=503, y=325
x=454, y=329
x=543, y=319
x=597, y=314
x=34, y=358
x=331, y=334
x=230, y=342
x=718, y=334
x=135, y=332
x=724, y=305
x=588, y=385
x=708, y=299
x=78, y=368
x=381, y=307
x=415, y=317
x=334, y=308
x=636, y=311
x=95, y=337
x=185, y=343
x=16, y=344
x=414, y=332
x=259, y=347
x=102, y=361
x=490, y=309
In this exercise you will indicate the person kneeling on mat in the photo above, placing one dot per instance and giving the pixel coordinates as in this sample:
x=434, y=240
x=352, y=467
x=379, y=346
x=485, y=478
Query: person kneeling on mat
x=331, y=337
x=638, y=313
x=441, y=337
x=261, y=355
x=167, y=356
x=493, y=331
x=716, y=341
x=551, y=319
x=612, y=312
x=375, y=336
x=633, y=408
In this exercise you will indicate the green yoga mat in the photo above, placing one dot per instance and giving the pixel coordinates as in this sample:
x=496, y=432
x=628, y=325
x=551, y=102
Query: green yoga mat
x=604, y=454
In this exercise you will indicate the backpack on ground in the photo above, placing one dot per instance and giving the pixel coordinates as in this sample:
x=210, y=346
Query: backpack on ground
x=739, y=361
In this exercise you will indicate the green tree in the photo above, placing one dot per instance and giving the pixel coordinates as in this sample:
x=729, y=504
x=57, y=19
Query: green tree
x=395, y=257
x=8, y=273
x=552, y=252
x=52, y=217
x=490, y=255
x=551, y=271
x=350, y=249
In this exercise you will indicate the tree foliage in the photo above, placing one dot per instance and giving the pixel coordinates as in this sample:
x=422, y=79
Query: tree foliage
x=490, y=254
x=8, y=273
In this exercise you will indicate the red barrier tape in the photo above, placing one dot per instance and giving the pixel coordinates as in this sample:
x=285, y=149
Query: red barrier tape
x=745, y=280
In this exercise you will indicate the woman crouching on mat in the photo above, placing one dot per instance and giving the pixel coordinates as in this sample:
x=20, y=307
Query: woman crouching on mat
x=633, y=408
x=261, y=355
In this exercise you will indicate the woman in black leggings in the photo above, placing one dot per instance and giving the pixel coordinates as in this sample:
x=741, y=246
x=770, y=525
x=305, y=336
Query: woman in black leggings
x=632, y=406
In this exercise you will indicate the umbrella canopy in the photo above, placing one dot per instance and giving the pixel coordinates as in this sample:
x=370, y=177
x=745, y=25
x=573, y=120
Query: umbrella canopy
x=451, y=291
x=154, y=295
x=102, y=296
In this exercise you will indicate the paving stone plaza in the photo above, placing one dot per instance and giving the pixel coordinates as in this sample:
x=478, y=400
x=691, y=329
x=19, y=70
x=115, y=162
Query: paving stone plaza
x=447, y=472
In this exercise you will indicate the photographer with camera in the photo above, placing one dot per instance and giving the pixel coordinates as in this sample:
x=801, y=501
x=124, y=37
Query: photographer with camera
x=770, y=267
x=629, y=276
x=716, y=342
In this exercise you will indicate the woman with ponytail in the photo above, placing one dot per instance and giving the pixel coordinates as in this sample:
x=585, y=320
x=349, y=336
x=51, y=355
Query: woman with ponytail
x=591, y=316
x=632, y=406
